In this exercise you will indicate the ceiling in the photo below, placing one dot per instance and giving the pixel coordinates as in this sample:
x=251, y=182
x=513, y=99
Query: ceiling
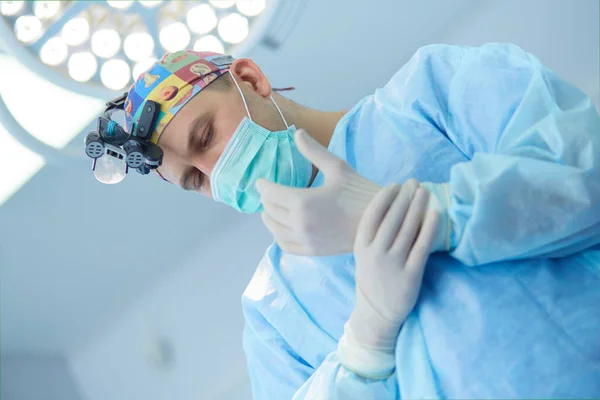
x=75, y=253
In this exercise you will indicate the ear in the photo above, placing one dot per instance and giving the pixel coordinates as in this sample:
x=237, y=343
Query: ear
x=247, y=72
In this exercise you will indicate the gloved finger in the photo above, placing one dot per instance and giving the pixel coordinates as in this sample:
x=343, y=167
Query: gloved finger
x=421, y=249
x=374, y=214
x=318, y=155
x=278, y=213
x=279, y=231
x=392, y=222
x=412, y=222
x=283, y=196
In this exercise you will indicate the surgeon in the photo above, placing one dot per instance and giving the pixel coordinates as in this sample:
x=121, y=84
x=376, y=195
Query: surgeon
x=507, y=156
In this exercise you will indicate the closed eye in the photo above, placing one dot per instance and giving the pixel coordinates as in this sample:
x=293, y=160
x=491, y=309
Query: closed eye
x=198, y=180
x=192, y=179
x=200, y=136
x=207, y=137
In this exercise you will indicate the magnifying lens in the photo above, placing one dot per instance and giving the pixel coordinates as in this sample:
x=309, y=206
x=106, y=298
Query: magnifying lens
x=111, y=168
x=114, y=151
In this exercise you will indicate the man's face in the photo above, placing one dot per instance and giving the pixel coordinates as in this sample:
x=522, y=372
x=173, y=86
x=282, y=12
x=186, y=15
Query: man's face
x=195, y=138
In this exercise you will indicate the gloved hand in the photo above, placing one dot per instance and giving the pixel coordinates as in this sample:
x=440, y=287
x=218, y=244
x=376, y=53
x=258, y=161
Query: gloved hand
x=317, y=221
x=393, y=243
x=323, y=221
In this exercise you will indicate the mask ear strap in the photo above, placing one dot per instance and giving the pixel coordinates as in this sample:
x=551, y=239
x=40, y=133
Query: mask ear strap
x=271, y=96
x=280, y=113
x=241, y=94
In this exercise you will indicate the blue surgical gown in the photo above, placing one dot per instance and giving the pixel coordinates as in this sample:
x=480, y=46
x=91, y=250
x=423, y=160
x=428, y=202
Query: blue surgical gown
x=513, y=310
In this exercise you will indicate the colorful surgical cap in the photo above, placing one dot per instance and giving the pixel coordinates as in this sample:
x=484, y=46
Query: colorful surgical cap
x=172, y=82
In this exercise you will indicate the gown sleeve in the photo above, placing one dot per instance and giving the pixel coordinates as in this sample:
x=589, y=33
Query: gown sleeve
x=531, y=187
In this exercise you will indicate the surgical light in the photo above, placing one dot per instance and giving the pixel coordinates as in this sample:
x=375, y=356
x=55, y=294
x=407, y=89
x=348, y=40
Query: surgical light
x=233, y=28
x=106, y=43
x=53, y=31
x=202, y=18
x=222, y=3
x=150, y=3
x=28, y=28
x=82, y=66
x=174, y=36
x=138, y=46
x=46, y=9
x=54, y=51
x=76, y=31
x=251, y=8
x=209, y=43
x=10, y=8
x=115, y=74
x=119, y=4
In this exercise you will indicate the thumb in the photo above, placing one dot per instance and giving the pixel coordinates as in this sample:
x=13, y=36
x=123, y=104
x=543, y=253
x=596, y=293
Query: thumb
x=274, y=193
x=318, y=155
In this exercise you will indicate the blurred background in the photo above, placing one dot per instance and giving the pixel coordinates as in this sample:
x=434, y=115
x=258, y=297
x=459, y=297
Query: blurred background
x=132, y=291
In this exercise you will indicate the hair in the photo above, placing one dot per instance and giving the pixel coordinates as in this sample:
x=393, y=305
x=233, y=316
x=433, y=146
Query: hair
x=223, y=83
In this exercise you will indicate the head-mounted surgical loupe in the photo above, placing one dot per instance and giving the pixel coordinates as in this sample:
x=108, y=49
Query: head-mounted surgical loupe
x=115, y=151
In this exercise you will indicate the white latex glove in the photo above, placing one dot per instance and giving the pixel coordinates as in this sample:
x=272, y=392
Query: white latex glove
x=394, y=240
x=323, y=221
x=317, y=221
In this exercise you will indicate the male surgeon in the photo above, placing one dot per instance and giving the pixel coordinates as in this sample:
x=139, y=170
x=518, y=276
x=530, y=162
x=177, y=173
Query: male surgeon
x=508, y=159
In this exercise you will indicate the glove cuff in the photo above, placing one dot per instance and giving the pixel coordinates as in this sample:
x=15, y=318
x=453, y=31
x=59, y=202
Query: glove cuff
x=364, y=349
x=439, y=201
x=368, y=363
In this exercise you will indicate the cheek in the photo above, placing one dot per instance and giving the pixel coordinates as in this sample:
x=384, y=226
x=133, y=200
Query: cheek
x=210, y=158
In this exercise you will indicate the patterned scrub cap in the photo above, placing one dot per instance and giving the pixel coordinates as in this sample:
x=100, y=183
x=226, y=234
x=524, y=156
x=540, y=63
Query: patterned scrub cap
x=171, y=82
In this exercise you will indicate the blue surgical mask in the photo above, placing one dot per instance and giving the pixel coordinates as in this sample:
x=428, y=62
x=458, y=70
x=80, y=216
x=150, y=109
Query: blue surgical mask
x=253, y=153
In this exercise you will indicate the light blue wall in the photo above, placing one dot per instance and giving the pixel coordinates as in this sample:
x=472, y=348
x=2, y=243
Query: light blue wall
x=28, y=377
x=198, y=312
